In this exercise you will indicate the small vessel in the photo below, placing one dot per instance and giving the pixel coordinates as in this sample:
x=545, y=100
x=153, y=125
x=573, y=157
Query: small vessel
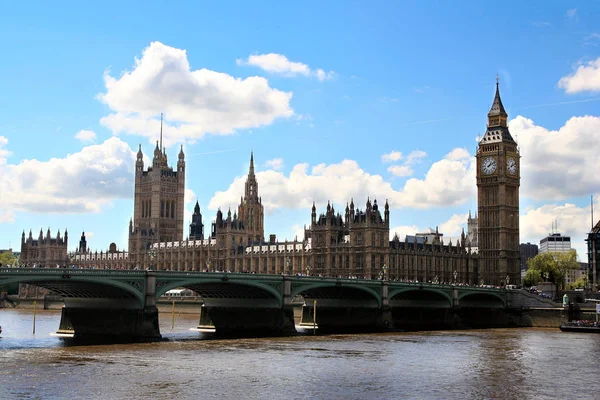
x=581, y=326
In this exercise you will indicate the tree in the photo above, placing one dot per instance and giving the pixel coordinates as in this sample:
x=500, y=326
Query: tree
x=551, y=266
x=578, y=284
x=7, y=258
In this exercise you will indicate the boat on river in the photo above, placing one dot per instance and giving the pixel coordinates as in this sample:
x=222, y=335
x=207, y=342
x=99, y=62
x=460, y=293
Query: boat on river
x=580, y=326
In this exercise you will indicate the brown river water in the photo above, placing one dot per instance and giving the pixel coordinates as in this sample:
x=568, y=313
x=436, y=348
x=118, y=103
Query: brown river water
x=521, y=363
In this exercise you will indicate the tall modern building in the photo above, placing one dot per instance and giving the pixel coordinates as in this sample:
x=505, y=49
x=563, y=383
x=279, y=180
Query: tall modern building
x=498, y=181
x=555, y=243
x=528, y=250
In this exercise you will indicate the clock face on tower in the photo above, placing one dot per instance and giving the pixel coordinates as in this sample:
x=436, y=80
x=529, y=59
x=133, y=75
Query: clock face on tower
x=511, y=165
x=488, y=166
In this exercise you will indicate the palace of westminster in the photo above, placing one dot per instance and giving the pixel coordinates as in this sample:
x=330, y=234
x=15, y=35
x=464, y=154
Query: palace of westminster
x=353, y=243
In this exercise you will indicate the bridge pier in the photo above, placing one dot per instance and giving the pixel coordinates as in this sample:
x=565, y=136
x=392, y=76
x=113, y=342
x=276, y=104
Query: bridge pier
x=247, y=321
x=111, y=324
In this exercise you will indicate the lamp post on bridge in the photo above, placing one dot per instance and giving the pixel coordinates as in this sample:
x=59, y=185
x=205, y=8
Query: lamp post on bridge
x=455, y=274
x=152, y=256
x=287, y=266
x=507, y=280
x=308, y=270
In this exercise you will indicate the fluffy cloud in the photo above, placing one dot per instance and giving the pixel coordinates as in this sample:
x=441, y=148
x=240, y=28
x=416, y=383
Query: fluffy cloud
x=403, y=230
x=558, y=164
x=198, y=102
x=400, y=170
x=85, y=135
x=405, y=169
x=415, y=156
x=573, y=221
x=454, y=225
x=280, y=64
x=451, y=229
x=393, y=156
x=276, y=164
x=78, y=183
x=449, y=182
x=572, y=12
x=585, y=78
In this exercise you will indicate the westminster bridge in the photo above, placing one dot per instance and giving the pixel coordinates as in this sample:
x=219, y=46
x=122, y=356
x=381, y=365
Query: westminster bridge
x=122, y=303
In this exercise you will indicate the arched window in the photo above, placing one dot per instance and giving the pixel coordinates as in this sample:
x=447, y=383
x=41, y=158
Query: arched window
x=168, y=209
x=162, y=208
x=173, y=209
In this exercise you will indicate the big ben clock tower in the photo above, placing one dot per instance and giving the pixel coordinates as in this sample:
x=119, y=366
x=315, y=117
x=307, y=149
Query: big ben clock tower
x=498, y=180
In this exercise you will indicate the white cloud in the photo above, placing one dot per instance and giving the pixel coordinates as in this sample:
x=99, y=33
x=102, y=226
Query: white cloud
x=85, y=135
x=585, y=78
x=400, y=170
x=393, y=156
x=280, y=64
x=558, y=164
x=195, y=102
x=403, y=230
x=78, y=183
x=405, y=169
x=451, y=229
x=573, y=221
x=276, y=164
x=415, y=156
x=454, y=225
x=449, y=182
x=572, y=13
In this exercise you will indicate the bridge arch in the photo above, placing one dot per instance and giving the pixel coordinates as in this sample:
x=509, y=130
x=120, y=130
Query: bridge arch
x=480, y=299
x=73, y=286
x=298, y=290
x=436, y=293
x=193, y=283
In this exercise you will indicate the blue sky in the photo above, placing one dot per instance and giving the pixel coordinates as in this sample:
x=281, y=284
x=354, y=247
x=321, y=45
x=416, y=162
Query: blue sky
x=338, y=100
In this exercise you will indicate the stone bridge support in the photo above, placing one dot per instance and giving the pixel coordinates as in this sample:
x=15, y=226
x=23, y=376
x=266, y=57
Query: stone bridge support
x=112, y=319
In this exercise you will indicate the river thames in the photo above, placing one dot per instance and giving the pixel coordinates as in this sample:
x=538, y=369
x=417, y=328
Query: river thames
x=468, y=364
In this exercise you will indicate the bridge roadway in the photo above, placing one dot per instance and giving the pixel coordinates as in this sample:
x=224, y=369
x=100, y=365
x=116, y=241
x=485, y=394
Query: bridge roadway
x=122, y=303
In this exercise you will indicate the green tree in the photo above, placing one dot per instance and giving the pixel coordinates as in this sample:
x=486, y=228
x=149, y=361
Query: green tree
x=551, y=267
x=578, y=284
x=7, y=258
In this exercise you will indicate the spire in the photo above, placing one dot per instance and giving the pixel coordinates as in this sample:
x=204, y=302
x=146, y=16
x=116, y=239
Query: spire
x=251, y=172
x=497, y=115
x=181, y=155
x=197, y=208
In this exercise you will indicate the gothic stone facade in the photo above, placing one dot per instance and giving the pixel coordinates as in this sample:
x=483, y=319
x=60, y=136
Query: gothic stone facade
x=46, y=251
x=498, y=181
x=355, y=244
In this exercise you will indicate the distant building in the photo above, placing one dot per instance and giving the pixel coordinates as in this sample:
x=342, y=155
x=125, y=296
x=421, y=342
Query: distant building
x=433, y=236
x=593, y=244
x=45, y=251
x=573, y=275
x=473, y=230
x=555, y=243
x=528, y=250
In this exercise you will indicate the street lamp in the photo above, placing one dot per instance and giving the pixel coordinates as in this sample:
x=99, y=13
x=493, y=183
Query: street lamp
x=308, y=270
x=436, y=280
x=455, y=274
x=507, y=279
x=287, y=266
x=384, y=270
x=152, y=256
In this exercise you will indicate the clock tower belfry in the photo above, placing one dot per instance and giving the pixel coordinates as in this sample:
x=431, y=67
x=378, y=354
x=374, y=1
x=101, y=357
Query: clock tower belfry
x=498, y=180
